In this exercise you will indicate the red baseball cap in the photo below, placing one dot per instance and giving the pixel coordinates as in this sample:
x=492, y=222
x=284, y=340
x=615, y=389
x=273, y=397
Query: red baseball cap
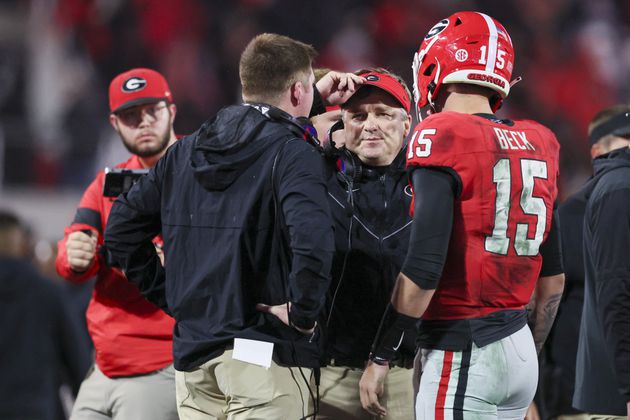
x=388, y=84
x=138, y=87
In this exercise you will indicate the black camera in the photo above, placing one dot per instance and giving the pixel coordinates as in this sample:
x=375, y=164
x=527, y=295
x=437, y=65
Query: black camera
x=120, y=180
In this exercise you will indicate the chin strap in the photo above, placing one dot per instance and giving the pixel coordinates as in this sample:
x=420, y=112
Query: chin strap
x=496, y=103
x=433, y=85
x=515, y=81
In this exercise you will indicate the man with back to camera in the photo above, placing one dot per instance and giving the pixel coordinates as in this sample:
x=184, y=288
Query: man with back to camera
x=602, y=377
x=491, y=185
x=369, y=200
x=248, y=238
x=133, y=376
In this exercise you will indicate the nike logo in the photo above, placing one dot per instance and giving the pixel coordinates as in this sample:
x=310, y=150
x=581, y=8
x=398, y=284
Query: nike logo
x=400, y=342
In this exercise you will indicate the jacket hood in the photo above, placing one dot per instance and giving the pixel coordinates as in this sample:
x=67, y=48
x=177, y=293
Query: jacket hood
x=228, y=144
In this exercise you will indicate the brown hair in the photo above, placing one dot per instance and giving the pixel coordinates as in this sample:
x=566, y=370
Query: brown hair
x=321, y=72
x=270, y=64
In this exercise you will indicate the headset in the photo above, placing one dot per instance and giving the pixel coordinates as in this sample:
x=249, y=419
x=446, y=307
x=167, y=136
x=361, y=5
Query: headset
x=347, y=163
x=300, y=126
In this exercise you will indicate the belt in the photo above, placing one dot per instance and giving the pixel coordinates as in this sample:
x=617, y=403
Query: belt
x=403, y=362
x=347, y=362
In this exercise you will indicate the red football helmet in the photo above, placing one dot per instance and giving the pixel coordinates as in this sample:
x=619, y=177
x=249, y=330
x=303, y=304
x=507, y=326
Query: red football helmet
x=466, y=47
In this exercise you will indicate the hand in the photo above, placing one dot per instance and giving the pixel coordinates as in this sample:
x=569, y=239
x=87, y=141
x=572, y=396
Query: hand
x=80, y=250
x=628, y=409
x=335, y=87
x=281, y=312
x=532, y=412
x=160, y=253
x=371, y=387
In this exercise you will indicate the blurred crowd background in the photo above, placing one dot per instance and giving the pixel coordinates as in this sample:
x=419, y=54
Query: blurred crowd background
x=58, y=56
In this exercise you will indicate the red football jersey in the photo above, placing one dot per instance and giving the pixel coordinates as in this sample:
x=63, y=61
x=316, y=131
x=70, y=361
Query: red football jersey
x=502, y=214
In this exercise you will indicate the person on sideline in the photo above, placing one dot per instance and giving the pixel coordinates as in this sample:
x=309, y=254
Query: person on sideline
x=602, y=377
x=369, y=199
x=41, y=341
x=133, y=375
x=483, y=238
x=248, y=241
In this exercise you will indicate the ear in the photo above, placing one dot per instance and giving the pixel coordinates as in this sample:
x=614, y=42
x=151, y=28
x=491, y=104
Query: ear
x=114, y=122
x=596, y=150
x=173, y=110
x=297, y=93
x=407, y=124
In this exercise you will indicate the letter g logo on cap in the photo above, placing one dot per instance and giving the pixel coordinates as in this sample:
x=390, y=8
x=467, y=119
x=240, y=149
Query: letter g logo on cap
x=134, y=84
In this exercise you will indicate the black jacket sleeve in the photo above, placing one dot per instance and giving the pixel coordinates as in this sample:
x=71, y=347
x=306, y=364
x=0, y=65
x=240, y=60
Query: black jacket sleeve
x=318, y=106
x=551, y=249
x=609, y=247
x=434, y=196
x=133, y=223
x=303, y=198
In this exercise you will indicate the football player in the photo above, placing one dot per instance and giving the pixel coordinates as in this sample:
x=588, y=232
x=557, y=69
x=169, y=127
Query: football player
x=484, y=236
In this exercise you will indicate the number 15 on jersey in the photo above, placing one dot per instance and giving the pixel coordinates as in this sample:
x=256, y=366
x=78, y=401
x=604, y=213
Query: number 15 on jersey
x=499, y=242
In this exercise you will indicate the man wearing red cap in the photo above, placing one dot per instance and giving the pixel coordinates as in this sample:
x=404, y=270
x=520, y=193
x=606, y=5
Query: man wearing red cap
x=370, y=205
x=133, y=376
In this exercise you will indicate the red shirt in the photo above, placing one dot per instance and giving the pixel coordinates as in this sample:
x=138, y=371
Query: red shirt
x=131, y=335
x=503, y=213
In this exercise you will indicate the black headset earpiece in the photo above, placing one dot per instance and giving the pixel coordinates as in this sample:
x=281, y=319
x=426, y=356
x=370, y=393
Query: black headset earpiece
x=300, y=126
x=330, y=148
x=351, y=167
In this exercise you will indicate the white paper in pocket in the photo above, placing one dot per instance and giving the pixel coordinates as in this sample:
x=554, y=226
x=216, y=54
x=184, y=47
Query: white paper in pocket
x=253, y=351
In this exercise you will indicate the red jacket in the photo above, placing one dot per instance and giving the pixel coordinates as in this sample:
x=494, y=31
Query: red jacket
x=131, y=335
x=503, y=212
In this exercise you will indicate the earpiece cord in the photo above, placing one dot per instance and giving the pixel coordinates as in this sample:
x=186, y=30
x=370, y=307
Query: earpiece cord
x=342, y=274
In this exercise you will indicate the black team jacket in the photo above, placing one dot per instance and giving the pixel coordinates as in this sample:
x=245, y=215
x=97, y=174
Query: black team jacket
x=372, y=228
x=602, y=383
x=42, y=343
x=233, y=237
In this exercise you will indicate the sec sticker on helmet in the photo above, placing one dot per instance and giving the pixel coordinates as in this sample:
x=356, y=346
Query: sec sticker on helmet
x=466, y=47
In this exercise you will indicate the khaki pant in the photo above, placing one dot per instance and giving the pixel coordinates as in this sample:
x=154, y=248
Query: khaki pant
x=589, y=417
x=340, y=400
x=224, y=388
x=141, y=397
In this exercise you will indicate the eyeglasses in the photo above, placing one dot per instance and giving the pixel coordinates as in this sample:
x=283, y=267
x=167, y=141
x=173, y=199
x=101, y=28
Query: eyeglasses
x=133, y=117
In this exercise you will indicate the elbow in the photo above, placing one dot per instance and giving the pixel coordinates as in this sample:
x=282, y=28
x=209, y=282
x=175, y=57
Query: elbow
x=550, y=285
x=559, y=280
